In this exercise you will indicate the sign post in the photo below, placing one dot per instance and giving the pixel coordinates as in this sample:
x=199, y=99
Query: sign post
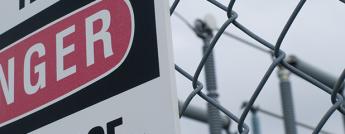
x=86, y=67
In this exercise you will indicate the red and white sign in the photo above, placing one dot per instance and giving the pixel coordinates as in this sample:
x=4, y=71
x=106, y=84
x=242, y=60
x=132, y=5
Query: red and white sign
x=65, y=57
x=62, y=59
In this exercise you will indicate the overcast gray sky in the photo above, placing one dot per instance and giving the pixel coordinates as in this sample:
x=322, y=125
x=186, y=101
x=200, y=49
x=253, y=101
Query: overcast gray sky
x=317, y=36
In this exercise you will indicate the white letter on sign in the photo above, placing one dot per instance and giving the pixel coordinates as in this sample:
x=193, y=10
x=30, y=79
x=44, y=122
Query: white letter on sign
x=40, y=69
x=61, y=52
x=8, y=88
x=103, y=35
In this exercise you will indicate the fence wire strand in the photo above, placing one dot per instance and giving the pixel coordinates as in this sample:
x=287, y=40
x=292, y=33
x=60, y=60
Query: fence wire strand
x=279, y=57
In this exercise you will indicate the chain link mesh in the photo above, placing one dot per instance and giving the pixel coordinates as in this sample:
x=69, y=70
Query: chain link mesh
x=278, y=60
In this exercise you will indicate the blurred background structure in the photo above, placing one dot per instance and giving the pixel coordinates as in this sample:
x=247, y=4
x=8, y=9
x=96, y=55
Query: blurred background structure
x=317, y=38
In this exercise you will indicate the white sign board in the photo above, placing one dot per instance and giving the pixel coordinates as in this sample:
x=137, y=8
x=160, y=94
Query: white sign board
x=86, y=67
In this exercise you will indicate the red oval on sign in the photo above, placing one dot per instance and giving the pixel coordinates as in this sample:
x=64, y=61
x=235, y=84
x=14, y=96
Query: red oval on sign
x=64, y=57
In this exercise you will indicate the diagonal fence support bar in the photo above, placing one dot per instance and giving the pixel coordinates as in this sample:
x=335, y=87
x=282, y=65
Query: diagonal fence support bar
x=287, y=101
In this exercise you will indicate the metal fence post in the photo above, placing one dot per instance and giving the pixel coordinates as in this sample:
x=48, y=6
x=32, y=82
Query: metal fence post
x=287, y=101
x=255, y=122
x=205, y=33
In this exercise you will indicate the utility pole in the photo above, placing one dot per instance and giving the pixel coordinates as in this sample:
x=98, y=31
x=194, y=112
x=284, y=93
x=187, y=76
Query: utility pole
x=287, y=101
x=204, y=32
x=255, y=121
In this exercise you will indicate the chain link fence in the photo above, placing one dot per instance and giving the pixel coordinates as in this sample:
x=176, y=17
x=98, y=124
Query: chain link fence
x=279, y=60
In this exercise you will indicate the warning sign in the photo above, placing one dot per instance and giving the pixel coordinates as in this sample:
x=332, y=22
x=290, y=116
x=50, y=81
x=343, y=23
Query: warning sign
x=88, y=67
